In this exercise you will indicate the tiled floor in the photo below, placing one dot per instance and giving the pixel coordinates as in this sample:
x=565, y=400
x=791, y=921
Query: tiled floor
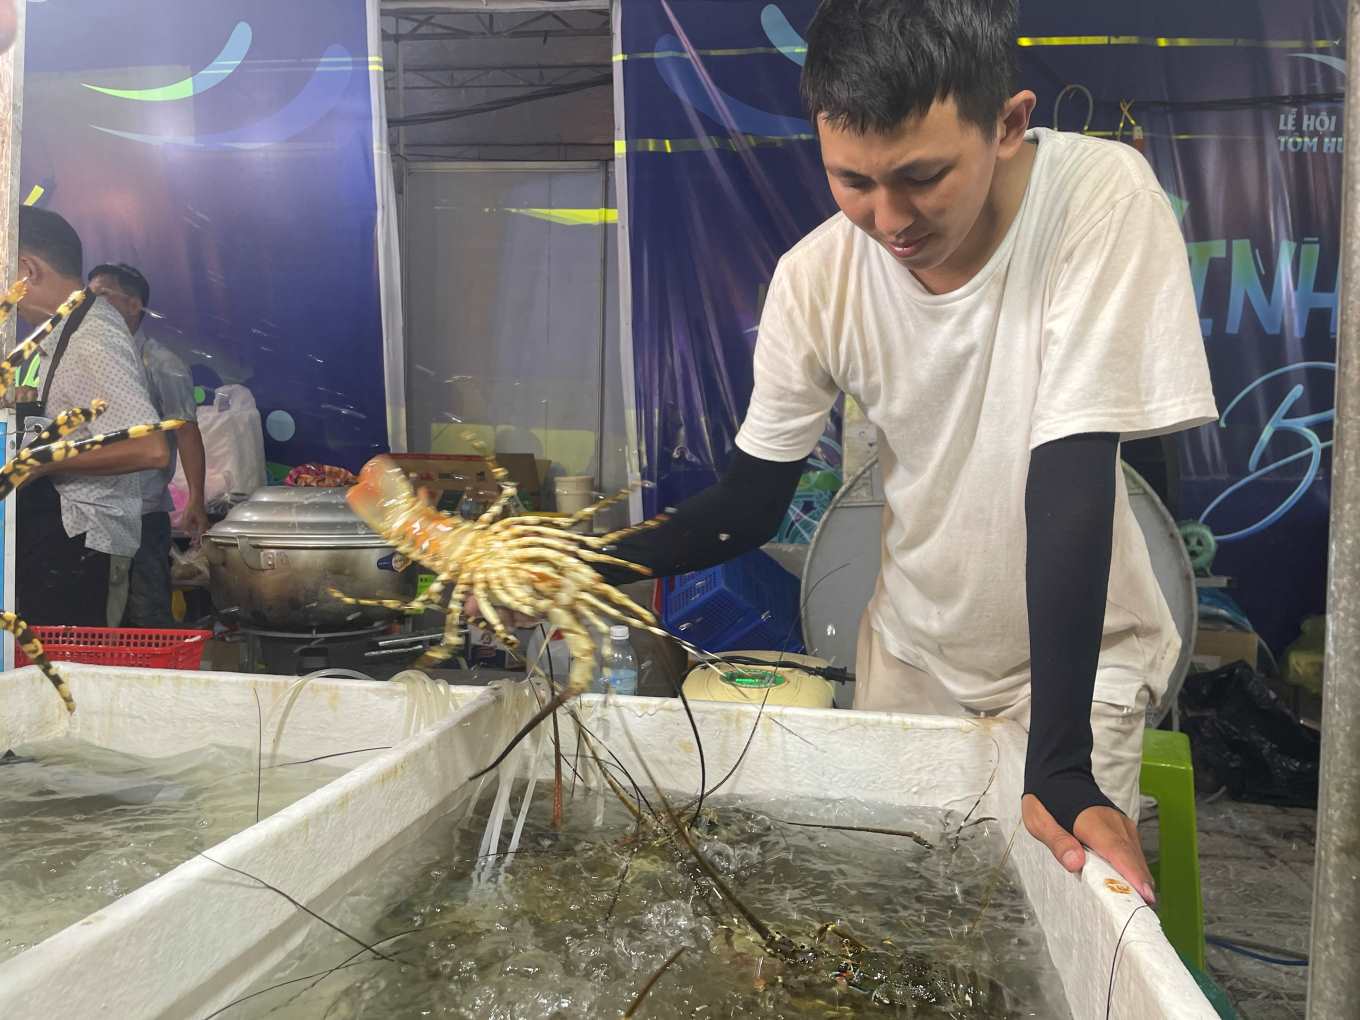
x=1256, y=870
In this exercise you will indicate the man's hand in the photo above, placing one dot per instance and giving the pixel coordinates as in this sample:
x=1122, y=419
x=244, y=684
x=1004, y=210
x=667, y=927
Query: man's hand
x=1108, y=832
x=194, y=520
x=471, y=610
x=516, y=621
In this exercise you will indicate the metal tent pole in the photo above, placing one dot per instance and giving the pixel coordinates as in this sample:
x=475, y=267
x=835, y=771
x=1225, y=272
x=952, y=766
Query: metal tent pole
x=401, y=104
x=1334, y=976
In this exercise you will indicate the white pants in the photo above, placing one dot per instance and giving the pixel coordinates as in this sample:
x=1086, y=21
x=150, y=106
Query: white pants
x=884, y=683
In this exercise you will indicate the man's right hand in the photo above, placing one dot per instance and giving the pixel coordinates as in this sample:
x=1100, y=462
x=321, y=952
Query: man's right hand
x=472, y=610
x=1106, y=830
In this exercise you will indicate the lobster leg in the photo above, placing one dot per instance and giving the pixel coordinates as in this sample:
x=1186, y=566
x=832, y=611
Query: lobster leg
x=33, y=648
x=12, y=297
x=421, y=602
x=453, y=640
x=68, y=421
x=484, y=603
x=12, y=475
x=25, y=350
x=64, y=424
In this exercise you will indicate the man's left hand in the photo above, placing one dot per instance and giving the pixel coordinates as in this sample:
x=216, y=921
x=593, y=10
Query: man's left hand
x=1108, y=832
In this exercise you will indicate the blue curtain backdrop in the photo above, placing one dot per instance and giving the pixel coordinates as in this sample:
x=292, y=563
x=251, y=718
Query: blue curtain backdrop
x=226, y=150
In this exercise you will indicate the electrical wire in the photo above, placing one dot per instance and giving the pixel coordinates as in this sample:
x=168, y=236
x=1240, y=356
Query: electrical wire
x=1218, y=794
x=1228, y=104
x=1239, y=102
x=1090, y=105
x=1114, y=959
x=833, y=673
x=490, y=106
x=1259, y=951
x=1125, y=117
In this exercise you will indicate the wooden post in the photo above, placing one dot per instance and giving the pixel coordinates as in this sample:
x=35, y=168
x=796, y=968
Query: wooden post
x=11, y=105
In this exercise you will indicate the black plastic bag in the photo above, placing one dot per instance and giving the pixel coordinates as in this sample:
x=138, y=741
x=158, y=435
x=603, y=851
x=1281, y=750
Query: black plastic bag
x=1244, y=737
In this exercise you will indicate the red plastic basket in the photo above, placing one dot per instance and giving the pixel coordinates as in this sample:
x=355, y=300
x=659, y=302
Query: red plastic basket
x=120, y=646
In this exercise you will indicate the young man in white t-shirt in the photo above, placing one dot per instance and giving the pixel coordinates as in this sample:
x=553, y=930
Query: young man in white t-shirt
x=1006, y=305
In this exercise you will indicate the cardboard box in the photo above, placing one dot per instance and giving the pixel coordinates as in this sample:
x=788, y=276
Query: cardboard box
x=524, y=472
x=442, y=471
x=455, y=472
x=1222, y=646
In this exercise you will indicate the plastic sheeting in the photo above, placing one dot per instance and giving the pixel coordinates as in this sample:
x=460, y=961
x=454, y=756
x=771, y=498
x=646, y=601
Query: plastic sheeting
x=722, y=178
x=388, y=240
x=1236, y=104
x=233, y=450
x=512, y=314
x=228, y=151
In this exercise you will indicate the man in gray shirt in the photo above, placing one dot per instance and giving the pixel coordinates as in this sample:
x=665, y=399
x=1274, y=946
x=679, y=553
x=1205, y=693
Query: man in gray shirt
x=75, y=515
x=172, y=393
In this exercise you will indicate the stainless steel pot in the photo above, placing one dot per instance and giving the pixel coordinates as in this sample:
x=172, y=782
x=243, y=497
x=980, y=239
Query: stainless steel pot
x=275, y=555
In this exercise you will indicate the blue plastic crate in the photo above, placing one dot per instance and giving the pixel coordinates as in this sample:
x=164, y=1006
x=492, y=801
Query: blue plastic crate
x=750, y=602
x=772, y=635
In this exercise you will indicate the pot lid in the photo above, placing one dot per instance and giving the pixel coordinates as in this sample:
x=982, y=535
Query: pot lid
x=280, y=511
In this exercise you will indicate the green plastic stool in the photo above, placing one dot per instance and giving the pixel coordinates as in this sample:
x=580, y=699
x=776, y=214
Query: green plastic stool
x=1169, y=777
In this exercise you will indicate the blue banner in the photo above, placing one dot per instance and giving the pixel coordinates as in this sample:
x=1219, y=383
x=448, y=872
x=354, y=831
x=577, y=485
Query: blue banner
x=227, y=151
x=1235, y=104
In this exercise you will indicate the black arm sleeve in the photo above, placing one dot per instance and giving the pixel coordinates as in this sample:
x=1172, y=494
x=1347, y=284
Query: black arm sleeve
x=1069, y=529
x=741, y=512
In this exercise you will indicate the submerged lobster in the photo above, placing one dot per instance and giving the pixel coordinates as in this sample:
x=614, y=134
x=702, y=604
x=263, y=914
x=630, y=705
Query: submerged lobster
x=887, y=976
x=532, y=565
x=50, y=446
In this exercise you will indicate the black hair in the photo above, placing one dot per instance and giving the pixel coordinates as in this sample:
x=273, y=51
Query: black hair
x=128, y=278
x=871, y=64
x=48, y=236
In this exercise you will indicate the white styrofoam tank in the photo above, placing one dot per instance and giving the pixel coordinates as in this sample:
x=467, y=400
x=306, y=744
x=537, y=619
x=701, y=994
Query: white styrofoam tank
x=198, y=937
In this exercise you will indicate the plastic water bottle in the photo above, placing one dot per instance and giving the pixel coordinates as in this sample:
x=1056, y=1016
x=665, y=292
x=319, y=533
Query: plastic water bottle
x=618, y=670
x=467, y=507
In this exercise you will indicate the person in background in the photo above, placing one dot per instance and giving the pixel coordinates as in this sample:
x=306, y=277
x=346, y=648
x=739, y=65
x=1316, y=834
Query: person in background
x=75, y=516
x=172, y=394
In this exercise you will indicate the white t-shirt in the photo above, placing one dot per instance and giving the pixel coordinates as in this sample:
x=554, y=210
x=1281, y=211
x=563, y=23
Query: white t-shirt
x=1083, y=320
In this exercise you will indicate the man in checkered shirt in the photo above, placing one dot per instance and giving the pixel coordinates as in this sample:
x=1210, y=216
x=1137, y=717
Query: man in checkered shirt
x=74, y=516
